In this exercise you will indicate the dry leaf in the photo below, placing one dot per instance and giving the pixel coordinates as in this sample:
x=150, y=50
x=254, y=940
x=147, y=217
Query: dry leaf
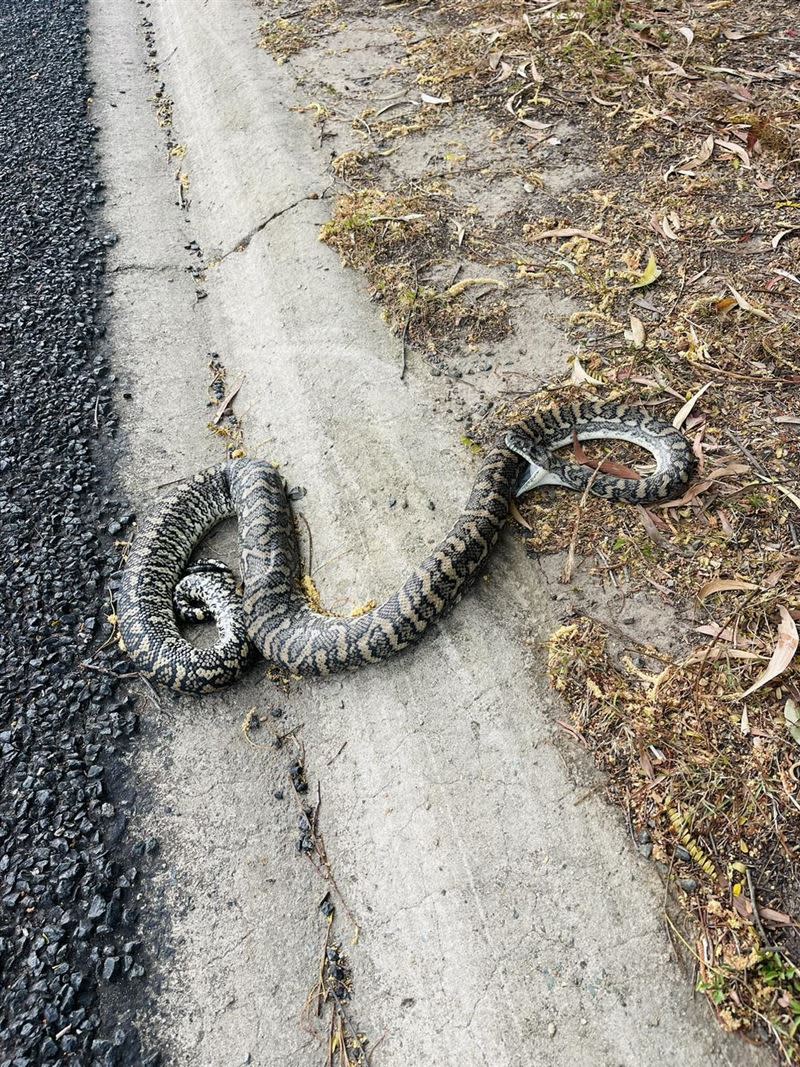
x=686, y=410
x=697, y=448
x=516, y=515
x=528, y=70
x=725, y=523
x=636, y=334
x=434, y=99
x=719, y=633
x=534, y=124
x=739, y=92
x=787, y=275
x=581, y=377
x=651, y=383
x=647, y=764
x=791, y=714
x=711, y=653
x=686, y=32
x=506, y=70
x=767, y=915
x=737, y=150
x=680, y=72
x=670, y=225
x=228, y=400
x=794, y=420
x=772, y=579
x=781, y=234
x=650, y=273
x=651, y=524
x=689, y=165
x=568, y=233
x=795, y=499
x=725, y=304
x=724, y=585
x=785, y=648
x=730, y=469
x=605, y=466
x=745, y=305
x=776, y=918
x=697, y=490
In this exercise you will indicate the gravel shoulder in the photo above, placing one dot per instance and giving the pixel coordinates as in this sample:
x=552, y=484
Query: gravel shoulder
x=70, y=866
x=502, y=914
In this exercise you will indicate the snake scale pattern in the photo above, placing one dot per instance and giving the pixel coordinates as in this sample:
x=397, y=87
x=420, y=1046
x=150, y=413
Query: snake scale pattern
x=161, y=588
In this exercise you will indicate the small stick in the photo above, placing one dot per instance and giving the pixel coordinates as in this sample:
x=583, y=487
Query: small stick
x=344, y=1016
x=765, y=941
x=300, y=515
x=608, y=568
x=106, y=670
x=323, y=958
x=227, y=401
x=342, y=747
x=747, y=453
x=330, y=1039
x=569, y=565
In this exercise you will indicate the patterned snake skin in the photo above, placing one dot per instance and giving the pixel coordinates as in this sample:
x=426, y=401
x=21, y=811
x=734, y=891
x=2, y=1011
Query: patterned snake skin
x=159, y=585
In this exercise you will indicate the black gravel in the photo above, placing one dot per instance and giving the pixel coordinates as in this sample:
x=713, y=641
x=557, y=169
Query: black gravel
x=71, y=969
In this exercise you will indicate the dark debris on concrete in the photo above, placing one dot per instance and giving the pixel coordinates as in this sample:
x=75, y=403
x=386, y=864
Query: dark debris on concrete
x=71, y=966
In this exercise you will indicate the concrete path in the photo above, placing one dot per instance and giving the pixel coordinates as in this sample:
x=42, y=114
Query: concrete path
x=504, y=915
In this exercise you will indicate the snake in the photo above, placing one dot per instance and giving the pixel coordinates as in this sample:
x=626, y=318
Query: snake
x=162, y=588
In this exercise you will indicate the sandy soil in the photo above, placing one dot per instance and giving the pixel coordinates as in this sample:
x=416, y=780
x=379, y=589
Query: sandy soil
x=504, y=916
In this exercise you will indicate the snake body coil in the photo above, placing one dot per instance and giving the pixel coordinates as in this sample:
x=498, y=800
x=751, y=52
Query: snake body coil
x=274, y=616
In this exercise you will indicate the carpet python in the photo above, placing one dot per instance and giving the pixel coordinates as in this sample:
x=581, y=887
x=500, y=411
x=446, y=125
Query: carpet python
x=161, y=588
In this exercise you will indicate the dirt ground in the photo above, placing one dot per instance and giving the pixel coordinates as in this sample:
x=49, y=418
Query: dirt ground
x=414, y=863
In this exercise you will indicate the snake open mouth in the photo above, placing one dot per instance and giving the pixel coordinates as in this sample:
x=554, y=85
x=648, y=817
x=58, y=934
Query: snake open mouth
x=543, y=467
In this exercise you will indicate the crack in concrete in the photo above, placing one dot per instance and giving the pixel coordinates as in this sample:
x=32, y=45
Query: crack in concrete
x=157, y=268
x=244, y=242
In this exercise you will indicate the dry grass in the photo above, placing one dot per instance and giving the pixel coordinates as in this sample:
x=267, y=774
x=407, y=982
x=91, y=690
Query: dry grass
x=392, y=237
x=713, y=793
x=285, y=37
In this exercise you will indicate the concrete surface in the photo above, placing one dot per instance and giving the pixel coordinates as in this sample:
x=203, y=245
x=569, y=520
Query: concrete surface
x=504, y=916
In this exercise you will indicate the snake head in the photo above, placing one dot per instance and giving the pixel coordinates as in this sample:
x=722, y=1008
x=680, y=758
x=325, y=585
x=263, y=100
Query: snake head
x=534, y=474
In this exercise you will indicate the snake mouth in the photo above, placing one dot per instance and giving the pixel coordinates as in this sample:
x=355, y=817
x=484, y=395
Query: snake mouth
x=533, y=475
